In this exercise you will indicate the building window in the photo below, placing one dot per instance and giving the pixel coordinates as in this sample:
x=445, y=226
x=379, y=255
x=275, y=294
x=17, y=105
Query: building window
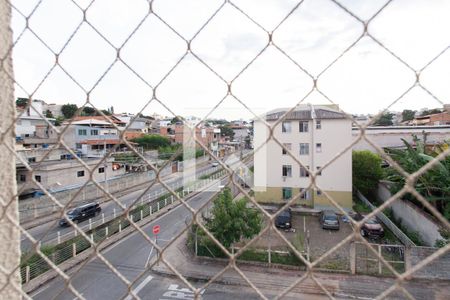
x=82, y=132
x=305, y=194
x=286, y=127
x=22, y=177
x=319, y=192
x=78, y=146
x=304, y=149
x=318, y=173
x=319, y=147
x=101, y=170
x=94, y=132
x=80, y=173
x=304, y=171
x=286, y=146
x=287, y=193
x=31, y=159
x=37, y=178
x=303, y=126
x=287, y=171
x=318, y=125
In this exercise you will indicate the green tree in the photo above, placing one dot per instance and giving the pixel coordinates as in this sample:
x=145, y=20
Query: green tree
x=233, y=220
x=89, y=111
x=69, y=110
x=48, y=114
x=105, y=112
x=431, y=111
x=433, y=185
x=226, y=131
x=21, y=102
x=175, y=120
x=384, y=120
x=367, y=171
x=408, y=114
x=59, y=121
x=152, y=141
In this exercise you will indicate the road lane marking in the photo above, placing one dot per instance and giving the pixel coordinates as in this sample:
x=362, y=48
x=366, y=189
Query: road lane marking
x=140, y=287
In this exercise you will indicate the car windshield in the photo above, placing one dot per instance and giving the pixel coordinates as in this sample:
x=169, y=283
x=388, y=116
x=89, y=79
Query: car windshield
x=372, y=221
x=330, y=217
x=73, y=211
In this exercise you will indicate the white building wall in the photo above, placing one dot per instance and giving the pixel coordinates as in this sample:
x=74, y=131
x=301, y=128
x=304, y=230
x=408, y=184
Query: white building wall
x=334, y=136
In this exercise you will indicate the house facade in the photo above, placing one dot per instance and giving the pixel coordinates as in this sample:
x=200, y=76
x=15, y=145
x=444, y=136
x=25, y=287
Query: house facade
x=314, y=135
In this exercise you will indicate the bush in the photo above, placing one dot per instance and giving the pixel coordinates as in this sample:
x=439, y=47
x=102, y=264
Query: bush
x=367, y=171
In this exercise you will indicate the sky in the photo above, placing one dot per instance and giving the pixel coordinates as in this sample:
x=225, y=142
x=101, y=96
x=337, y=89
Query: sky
x=233, y=47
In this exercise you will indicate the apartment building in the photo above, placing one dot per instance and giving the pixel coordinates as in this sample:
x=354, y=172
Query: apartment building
x=314, y=135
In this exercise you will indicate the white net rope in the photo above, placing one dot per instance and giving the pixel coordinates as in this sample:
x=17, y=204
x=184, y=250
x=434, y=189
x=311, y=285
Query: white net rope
x=410, y=179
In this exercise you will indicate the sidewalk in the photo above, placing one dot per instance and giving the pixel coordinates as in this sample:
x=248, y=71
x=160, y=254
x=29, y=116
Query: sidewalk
x=341, y=286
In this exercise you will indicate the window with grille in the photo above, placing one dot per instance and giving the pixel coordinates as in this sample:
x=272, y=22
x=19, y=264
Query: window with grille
x=287, y=146
x=286, y=127
x=287, y=193
x=304, y=171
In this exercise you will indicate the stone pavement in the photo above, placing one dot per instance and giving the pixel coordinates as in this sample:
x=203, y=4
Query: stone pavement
x=265, y=278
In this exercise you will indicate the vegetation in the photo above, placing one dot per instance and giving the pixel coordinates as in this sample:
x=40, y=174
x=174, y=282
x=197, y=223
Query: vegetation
x=433, y=185
x=48, y=114
x=152, y=141
x=226, y=130
x=408, y=114
x=22, y=102
x=69, y=110
x=367, y=171
x=431, y=111
x=231, y=220
x=384, y=120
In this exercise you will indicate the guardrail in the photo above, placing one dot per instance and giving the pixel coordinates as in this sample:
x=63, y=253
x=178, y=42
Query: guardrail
x=35, y=265
x=386, y=221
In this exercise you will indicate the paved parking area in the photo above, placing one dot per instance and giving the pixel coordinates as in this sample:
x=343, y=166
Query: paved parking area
x=320, y=240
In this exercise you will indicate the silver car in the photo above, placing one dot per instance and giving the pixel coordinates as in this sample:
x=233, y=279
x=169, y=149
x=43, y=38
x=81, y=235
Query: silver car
x=329, y=220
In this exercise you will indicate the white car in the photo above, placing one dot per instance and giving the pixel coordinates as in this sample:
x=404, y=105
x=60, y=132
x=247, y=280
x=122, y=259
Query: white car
x=214, y=164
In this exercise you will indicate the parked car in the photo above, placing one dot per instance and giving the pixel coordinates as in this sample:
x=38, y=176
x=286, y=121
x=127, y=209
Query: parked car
x=372, y=229
x=214, y=164
x=329, y=220
x=284, y=219
x=81, y=213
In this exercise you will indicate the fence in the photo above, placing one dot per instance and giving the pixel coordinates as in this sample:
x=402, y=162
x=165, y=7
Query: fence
x=88, y=82
x=67, y=248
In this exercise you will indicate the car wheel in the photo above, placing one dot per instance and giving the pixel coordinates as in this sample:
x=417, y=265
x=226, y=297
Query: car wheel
x=362, y=232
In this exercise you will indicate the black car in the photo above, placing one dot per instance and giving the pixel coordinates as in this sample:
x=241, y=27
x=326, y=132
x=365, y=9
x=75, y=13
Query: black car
x=329, y=220
x=284, y=219
x=81, y=213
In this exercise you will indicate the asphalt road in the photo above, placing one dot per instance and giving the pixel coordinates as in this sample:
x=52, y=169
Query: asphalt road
x=49, y=232
x=130, y=257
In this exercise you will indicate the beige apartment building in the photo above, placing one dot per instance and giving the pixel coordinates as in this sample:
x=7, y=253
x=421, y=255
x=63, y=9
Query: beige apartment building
x=315, y=135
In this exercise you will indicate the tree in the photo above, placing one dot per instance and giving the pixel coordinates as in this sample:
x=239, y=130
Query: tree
x=226, y=131
x=367, y=171
x=427, y=112
x=59, y=120
x=408, y=114
x=152, y=141
x=384, y=120
x=233, y=220
x=22, y=102
x=106, y=112
x=175, y=120
x=89, y=111
x=48, y=114
x=69, y=110
x=433, y=185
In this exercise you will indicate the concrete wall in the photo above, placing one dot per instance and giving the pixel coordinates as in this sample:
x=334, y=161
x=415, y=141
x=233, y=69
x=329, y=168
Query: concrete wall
x=42, y=206
x=411, y=217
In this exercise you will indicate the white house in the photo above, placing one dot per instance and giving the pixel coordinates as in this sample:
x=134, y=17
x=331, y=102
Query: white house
x=315, y=135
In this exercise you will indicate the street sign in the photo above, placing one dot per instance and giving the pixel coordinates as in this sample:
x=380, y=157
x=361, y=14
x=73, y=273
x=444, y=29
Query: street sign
x=156, y=229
